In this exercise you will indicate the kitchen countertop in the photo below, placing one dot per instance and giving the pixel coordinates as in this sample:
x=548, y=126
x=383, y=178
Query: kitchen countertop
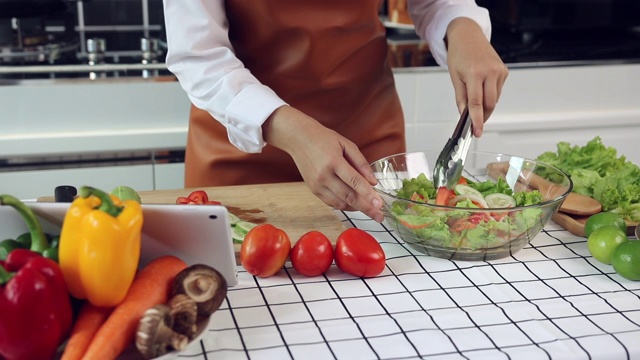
x=551, y=300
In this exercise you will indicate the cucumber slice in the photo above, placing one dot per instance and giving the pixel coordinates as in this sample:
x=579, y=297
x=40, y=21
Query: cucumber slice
x=462, y=189
x=478, y=200
x=244, y=226
x=499, y=200
x=233, y=219
x=237, y=235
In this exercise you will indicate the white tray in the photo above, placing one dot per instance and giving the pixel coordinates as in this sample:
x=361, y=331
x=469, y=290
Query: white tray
x=198, y=234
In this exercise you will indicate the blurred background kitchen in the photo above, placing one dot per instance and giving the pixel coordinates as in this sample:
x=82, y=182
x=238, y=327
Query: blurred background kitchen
x=86, y=98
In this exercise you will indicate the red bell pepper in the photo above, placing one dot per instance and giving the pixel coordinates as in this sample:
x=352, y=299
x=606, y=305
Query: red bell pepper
x=36, y=307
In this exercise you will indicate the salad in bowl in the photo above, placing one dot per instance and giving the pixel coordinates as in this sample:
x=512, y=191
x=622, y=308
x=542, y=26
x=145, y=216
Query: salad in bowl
x=491, y=213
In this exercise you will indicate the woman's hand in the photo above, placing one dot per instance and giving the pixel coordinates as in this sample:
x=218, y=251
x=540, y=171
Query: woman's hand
x=476, y=70
x=332, y=166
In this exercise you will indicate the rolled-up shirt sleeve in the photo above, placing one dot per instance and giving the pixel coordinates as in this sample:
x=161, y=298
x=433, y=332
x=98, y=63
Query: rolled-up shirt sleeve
x=201, y=56
x=432, y=17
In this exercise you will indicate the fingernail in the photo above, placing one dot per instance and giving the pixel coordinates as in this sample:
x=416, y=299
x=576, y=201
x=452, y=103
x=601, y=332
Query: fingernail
x=377, y=203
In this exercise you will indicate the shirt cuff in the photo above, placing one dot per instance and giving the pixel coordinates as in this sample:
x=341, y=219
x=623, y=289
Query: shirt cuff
x=437, y=29
x=246, y=113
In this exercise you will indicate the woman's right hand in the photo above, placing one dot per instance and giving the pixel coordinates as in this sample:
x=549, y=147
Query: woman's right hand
x=332, y=166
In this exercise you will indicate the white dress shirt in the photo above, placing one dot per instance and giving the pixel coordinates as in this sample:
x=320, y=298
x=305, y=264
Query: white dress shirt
x=200, y=55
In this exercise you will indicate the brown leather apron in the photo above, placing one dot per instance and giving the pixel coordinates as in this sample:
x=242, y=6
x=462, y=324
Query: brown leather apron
x=327, y=58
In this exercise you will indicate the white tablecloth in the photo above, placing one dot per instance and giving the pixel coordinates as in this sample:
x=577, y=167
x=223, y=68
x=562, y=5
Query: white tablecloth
x=551, y=300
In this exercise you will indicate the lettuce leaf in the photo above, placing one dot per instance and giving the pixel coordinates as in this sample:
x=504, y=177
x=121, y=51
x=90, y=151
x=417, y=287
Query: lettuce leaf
x=597, y=171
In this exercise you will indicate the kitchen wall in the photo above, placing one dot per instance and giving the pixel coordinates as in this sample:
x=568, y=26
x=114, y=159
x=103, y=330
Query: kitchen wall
x=132, y=131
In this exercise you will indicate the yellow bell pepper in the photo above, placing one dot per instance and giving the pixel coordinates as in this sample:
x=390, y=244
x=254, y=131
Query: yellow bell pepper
x=99, y=248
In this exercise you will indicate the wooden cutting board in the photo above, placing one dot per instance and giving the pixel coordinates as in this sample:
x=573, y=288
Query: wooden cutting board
x=289, y=206
x=575, y=223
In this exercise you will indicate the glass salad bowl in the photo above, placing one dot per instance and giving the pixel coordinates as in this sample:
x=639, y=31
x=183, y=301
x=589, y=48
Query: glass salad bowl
x=500, y=204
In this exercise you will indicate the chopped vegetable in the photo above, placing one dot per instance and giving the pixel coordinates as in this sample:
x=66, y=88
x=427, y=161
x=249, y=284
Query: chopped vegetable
x=443, y=196
x=462, y=189
x=196, y=197
x=469, y=201
x=459, y=226
x=499, y=200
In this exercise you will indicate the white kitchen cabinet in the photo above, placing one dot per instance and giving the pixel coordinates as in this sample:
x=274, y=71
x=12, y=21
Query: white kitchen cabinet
x=168, y=176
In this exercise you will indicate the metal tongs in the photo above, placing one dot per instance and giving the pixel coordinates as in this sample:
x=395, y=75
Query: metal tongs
x=448, y=167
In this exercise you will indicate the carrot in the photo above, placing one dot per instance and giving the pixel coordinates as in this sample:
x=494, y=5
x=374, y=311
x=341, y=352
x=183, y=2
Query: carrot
x=87, y=323
x=150, y=287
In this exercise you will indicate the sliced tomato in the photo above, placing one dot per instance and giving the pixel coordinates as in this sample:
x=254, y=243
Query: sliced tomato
x=479, y=217
x=498, y=216
x=443, y=195
x=461, y=225
x=416, y=197
x=463, y=180
x=183, y=200
x=199, y=197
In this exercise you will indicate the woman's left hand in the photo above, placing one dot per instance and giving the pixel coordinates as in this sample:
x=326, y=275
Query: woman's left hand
x=476, y=70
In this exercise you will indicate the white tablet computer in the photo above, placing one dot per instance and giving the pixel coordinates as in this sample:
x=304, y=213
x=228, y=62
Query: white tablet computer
x=198, y=234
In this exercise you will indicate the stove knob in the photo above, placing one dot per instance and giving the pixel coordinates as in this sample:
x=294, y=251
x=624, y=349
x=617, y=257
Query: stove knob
x=95, y=49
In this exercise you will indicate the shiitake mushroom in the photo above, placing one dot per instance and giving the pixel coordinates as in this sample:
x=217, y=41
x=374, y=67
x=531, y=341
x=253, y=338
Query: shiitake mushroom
x=184, y=312
x=202, y=283
x=155, y=335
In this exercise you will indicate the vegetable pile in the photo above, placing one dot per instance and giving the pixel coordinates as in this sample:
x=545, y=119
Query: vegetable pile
x=459, y=225
x=597, y=171
x=88, y=297
x=100, y=302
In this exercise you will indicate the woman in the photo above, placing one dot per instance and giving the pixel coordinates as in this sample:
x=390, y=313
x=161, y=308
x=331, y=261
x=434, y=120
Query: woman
x=290, y=90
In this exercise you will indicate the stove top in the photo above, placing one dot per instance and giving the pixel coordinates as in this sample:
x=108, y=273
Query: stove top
x=30, y=40
x=591, y=45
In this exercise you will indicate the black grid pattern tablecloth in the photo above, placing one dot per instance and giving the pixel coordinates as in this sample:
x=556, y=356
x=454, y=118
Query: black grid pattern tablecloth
x=551, y=300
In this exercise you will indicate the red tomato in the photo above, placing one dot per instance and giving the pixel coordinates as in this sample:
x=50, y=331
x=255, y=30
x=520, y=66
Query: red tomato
x=359, y=254
x=264, y=250
x=312, y=254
